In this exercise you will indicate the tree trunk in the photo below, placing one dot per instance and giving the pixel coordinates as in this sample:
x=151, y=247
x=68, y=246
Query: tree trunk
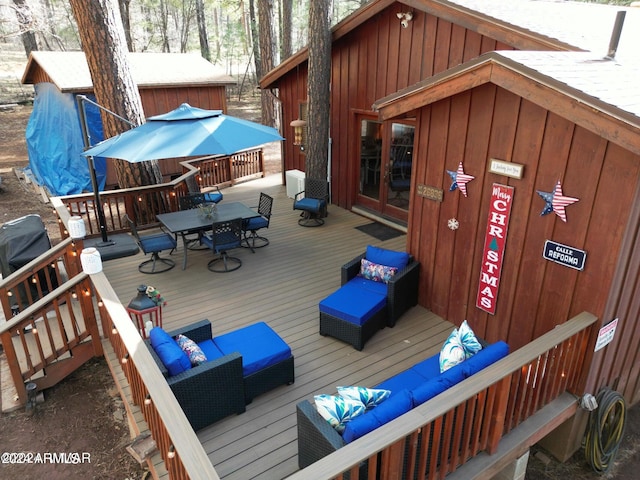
x=255, y=39
x=126, y=23
x=318, y=89
x=202, y=30
x=103, y=42
x=285, y=33
x=267, y=49
x=25, y=22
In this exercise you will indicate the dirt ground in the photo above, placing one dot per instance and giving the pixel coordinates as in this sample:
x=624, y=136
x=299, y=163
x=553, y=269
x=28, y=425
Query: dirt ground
x=83, y=415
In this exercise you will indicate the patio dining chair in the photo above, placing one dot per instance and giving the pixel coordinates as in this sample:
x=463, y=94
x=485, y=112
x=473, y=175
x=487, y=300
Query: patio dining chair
x=224, y=236
x=153, y=244
x=312, y=202
x=252, y=225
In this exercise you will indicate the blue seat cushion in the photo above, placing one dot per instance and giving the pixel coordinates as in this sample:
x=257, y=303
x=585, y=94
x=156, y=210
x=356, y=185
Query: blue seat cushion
x=169, y=352
x=485, y=357
x=157, y=242
x=214, y=197
x=407, y=379
x=390, y=258
x=256, y=223
x=309, y=204
x=210, y=350
x=353, y=304
x=391, y=408
x=258, y=344
x=224, y=241
x=369, y=285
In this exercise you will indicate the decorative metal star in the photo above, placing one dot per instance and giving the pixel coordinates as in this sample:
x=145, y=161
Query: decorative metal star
x=460, y=179
x=556, y=201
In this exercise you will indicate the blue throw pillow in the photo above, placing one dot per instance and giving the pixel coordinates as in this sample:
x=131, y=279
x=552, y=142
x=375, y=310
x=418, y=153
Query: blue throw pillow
x=169, y=352
x=390, y=258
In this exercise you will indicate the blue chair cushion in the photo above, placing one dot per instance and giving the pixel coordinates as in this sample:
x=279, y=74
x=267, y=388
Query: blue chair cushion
x=258, y=344
x=388, y=410
x=210, y=350
x=224, y=241
x=368, y=285
x=157, y=242
x=256, y=223
x=485, y=357
x=390, y=258
x=407, y=379
x=214, y=197
x=169, y=352
x=353, y=304
x=310, y=204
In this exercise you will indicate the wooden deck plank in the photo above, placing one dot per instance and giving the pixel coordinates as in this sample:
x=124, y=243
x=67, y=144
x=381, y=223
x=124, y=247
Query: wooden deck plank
x=282, y=284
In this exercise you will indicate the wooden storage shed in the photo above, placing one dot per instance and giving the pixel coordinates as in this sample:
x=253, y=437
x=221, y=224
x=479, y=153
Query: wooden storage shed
x=165, y=81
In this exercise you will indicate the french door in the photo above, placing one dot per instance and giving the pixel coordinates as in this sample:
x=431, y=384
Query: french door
x=385, y=155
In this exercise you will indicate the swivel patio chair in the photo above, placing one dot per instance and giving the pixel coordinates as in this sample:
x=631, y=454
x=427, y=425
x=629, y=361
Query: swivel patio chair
x=153, y=244
x=312, y=201
x=195, y=200
x=223, y=237
x=252, y=225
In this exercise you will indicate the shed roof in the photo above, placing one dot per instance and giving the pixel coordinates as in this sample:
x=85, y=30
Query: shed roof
x=69, y=71
x=590, y=90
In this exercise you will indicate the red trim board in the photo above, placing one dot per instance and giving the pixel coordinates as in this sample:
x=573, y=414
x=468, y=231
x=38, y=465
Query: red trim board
x=494, y=243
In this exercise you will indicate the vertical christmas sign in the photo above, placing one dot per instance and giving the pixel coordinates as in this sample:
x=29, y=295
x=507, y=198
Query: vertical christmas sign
x=494, y=243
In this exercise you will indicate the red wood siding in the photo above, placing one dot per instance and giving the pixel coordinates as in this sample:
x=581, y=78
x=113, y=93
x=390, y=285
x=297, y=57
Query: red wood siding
x=534, y=294
x=374, y=60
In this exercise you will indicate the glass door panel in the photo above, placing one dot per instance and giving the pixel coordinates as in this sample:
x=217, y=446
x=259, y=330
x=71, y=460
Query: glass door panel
x=399, y=166
x=370, y=158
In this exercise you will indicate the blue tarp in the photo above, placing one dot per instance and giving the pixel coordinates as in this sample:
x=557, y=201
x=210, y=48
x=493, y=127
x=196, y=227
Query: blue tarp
x=55, y=143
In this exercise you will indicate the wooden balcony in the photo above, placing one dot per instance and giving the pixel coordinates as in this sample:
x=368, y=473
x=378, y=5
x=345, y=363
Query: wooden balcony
x=282, y=285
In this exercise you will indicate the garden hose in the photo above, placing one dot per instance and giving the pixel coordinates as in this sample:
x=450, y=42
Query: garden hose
x=605, y=430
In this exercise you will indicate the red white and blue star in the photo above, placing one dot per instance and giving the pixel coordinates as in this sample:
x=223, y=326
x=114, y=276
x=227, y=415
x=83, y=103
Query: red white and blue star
x=460, y=179
x=556, y=202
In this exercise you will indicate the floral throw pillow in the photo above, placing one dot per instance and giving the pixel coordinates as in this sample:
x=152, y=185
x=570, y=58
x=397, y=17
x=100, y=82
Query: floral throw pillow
x=469, y=340
x=338, y=410
x=191, y=348
x=452, y=352
x=376, y=272
x=370, y=397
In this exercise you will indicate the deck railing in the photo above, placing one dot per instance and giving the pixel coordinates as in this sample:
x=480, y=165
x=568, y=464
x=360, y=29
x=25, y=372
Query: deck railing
x=437, y=437
x=144, y=203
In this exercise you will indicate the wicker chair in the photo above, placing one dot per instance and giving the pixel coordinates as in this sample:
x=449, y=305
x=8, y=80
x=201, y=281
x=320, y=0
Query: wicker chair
x=312, y=202
x=198, y=389
x=401, y=294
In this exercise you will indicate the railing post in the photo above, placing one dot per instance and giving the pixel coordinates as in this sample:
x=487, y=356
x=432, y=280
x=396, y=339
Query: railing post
x=14, y=367
x=498, y=415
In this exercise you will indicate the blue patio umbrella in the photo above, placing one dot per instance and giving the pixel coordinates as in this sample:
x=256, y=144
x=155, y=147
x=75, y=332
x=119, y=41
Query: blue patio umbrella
x=185, y=132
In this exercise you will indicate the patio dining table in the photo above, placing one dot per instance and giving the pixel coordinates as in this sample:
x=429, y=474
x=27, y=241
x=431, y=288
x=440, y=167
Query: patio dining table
x=191, y=220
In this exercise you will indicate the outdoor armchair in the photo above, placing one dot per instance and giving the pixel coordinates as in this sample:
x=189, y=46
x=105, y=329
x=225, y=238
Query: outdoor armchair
x=224, y=236
x=312, y=202
x=252, y=225
x=153, y=244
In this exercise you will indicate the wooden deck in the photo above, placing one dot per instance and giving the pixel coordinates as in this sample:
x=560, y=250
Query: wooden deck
x=282, y=284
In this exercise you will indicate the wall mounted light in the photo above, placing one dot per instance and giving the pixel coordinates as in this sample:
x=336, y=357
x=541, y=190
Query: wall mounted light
x=298, y=128
x=405, y=18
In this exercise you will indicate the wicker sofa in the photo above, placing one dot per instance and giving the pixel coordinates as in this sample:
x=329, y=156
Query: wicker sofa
x=410, y=388
x=361, y=306
x=239, y=366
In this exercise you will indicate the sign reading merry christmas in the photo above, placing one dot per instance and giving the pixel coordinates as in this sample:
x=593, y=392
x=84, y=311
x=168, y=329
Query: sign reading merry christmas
x=494, y=243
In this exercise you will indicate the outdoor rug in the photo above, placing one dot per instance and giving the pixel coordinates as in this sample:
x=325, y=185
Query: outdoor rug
x=379, y=231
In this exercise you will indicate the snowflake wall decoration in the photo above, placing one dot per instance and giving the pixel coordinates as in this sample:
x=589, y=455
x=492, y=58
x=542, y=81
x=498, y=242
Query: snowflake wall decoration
x=453, y=224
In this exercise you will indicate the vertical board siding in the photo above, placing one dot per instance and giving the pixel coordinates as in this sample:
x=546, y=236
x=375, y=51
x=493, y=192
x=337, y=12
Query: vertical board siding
x=534, y=294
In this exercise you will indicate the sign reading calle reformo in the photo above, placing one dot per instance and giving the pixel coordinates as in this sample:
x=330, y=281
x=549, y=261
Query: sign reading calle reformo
x=494, y=243
x=564, y=255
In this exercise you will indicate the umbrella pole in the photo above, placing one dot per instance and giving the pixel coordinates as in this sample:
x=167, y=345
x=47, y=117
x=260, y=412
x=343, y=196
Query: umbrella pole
x=92, y=172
